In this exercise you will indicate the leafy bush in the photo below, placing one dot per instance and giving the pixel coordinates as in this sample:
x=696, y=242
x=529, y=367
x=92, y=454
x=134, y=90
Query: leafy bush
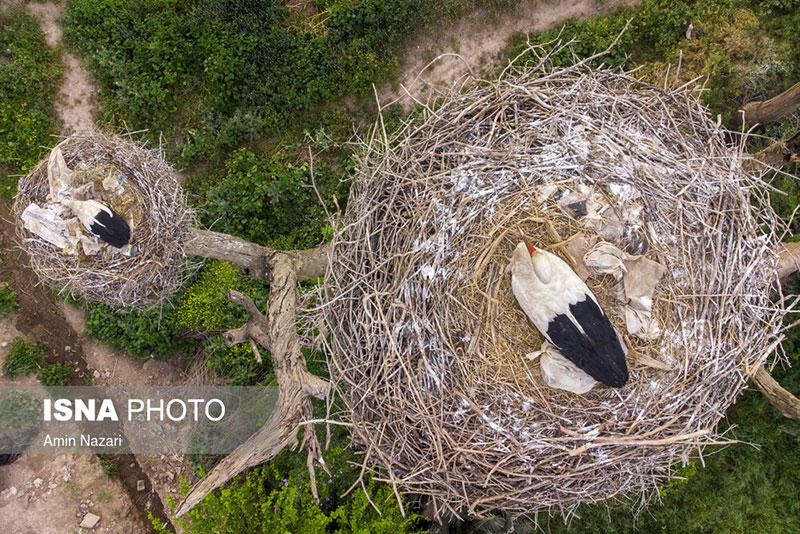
x=8, y=299
x=24, y=357
x=267, y=500
x=107, y=465
x=742, y=54
x=29, y=78
x=152, y=333
x=228, y=70
x=205, y=307
x=55, y=374
x=272, y=203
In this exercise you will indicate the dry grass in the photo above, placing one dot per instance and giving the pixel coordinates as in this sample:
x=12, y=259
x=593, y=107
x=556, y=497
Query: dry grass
x=154, y=202
x=427, y=344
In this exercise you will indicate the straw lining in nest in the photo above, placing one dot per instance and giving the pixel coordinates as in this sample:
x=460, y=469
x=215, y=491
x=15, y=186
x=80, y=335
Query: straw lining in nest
x=153, y=201
x=428, y=344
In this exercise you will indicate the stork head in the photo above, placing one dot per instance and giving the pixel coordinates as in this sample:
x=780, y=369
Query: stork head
x=531, y=249
x=537, y=260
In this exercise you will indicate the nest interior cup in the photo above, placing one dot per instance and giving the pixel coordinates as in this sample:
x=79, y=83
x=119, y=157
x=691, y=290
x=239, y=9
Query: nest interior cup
x=153, y=202
x=429, y=346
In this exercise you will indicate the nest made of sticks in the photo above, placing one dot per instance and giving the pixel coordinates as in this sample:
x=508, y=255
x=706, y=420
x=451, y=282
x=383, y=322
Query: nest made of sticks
x=428, y=345
x=153, y=203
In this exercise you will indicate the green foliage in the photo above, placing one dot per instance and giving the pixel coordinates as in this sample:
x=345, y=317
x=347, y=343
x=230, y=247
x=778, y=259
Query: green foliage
x=29, y=78
x=152, y=333
x=8, y=299
x=55, y=374
x=24, y=357
x=743, y=54
x=205, y=307
x=271, y=202
x=20, y=410
x=273, y=499
x=107, y=465
x=215, y=72
x=205, y=304
x=778, y=6
x=674, y=484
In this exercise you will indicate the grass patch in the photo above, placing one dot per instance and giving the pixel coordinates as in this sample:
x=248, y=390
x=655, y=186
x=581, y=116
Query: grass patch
x=24, y=357
x=8, y=299
x=29, y=77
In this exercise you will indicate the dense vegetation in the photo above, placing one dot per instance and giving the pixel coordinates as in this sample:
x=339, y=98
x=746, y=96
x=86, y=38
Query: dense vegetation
x=242, y=89
x=29, y=78
x=746, y=50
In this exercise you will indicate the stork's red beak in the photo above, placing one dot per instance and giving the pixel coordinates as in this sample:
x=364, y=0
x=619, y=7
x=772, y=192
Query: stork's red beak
x=531, y=248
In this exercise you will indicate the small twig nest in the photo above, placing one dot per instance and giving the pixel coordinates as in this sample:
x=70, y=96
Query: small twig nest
x=428, y=345
x=153, y=202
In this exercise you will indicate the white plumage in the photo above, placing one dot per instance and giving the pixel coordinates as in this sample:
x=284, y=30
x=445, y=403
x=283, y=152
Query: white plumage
x=100, y=220
x=565, y=311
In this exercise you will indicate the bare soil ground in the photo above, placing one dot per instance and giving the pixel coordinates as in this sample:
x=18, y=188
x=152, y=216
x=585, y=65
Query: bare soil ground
x=477, y=44
x=51, y=494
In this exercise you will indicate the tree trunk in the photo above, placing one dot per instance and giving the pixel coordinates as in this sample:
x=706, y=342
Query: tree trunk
x=277, y=332
x=766, y=111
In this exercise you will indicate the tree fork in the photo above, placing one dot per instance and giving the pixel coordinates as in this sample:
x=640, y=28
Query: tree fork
x=276, y=330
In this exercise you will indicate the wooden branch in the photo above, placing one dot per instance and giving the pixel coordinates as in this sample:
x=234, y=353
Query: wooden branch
x=766, y=111
x=226, y=247
x=788, y=259
x=785, y=402
x=276, y=330
x=309, y=263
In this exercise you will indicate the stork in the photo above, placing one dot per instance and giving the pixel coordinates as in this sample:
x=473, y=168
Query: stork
x=101, y=220
x=565, y=311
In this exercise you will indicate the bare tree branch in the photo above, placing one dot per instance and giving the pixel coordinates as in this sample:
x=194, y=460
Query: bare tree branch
x=778, y=154
x=771, y=110
x=782, y=400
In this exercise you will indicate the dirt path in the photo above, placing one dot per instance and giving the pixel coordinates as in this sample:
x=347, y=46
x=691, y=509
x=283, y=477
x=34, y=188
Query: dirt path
x=76, y=98
x=480, y=44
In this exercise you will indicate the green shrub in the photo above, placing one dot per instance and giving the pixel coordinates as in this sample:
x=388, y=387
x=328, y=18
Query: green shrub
x=152, y=333
x=107, y=464
x=8, y=299
x=55, y=374
x=29, y=78
x=271, y=202
x=205, y=307
x=266, y=500
x=24, y=357
x=215, y=73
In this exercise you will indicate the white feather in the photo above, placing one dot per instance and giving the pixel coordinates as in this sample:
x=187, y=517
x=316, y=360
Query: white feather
x=545, y=286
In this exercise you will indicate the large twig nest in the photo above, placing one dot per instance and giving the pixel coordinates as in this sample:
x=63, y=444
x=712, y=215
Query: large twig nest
x=429, y=346
x=151, y=201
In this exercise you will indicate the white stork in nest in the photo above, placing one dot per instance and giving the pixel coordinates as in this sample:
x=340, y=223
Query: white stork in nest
x=101, y=220
x=566, y=312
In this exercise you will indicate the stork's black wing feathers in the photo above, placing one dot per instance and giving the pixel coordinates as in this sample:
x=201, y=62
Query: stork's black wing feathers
x=111, y=228
x=598, y=352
